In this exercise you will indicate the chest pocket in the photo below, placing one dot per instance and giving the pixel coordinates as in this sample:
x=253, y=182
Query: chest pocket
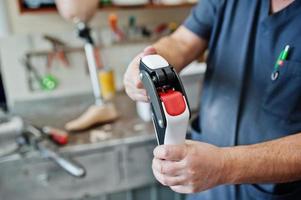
x=283, y=95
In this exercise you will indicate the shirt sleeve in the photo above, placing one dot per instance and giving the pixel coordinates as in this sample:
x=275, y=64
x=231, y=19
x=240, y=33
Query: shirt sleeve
x=202, y=17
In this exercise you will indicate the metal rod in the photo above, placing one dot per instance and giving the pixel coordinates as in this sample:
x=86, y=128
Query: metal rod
x=89, y=49
x=84, y=33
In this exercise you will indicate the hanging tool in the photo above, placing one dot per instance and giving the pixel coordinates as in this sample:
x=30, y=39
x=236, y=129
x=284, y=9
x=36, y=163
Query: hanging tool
x=161, y=28
x=58, y=47
x=113, y=23
x=32, y=73
x=145, y=32
x=46, y=83
x=172, y=26
x=168, y=99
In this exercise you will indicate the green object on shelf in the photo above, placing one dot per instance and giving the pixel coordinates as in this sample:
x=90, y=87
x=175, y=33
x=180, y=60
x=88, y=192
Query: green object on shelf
x=105, y=2
x=49, y=82
x=132, y=21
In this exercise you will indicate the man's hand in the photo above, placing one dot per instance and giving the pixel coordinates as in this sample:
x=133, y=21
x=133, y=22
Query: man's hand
x=133, y=85
x=197, y=166
x=189, y=168
x=179, y=49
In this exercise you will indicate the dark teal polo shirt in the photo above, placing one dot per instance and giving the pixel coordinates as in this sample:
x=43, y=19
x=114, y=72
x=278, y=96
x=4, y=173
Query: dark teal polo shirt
x=240, y=102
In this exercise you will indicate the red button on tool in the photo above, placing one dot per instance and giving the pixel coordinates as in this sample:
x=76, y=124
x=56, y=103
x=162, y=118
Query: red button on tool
x=173, y=101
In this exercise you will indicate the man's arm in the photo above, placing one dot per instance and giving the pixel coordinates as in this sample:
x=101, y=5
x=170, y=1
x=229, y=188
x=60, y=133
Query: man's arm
x=275, y=161
x=198, y=166
x=179, y=49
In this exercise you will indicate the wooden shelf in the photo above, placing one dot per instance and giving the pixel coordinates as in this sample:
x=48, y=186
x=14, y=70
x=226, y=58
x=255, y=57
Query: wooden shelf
x=148, y=6
x=52, y=9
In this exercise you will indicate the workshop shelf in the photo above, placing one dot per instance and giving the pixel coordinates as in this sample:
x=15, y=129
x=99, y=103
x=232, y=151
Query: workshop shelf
x=52, y=9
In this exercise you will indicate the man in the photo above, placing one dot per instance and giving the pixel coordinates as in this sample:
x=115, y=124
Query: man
x=250, y=119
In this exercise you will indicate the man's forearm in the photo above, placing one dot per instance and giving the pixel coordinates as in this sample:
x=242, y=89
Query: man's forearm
x=180, y=48
x=269, y=162
x=166, y=47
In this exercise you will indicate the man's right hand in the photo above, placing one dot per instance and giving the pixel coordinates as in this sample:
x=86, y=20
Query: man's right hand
x=133, y=85
x=179, y=49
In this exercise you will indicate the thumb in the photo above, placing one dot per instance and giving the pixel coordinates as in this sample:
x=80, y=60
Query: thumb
x=149, y=51
x=170, y=152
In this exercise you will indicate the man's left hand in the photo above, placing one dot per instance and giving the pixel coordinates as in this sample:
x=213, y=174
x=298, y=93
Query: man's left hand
x=189, y=168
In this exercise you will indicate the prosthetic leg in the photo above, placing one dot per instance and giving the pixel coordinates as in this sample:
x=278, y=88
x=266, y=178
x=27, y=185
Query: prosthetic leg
x=102, y=111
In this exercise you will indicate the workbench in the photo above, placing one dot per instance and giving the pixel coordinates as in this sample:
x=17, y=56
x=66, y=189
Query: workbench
x=119, y=167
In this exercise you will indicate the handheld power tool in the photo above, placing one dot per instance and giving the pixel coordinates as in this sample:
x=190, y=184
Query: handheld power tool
x=169, y=104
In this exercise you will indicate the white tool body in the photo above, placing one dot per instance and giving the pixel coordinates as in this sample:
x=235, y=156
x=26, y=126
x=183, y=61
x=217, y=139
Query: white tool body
x=170, y=108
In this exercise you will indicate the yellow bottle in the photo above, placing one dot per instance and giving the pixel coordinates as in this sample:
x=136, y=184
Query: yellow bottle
x=107, y=82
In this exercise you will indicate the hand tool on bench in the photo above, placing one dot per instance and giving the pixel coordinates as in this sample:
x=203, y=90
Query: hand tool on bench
x=35, y=137
x=27, y=135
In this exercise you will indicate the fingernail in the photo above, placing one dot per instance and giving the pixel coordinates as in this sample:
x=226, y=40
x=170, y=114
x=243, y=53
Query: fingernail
x=149, y=50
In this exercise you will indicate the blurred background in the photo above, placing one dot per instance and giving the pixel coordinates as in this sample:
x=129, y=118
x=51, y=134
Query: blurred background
x=45, y=84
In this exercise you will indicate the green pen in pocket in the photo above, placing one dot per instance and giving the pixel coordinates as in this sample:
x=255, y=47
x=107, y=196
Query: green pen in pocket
x=281, y=58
